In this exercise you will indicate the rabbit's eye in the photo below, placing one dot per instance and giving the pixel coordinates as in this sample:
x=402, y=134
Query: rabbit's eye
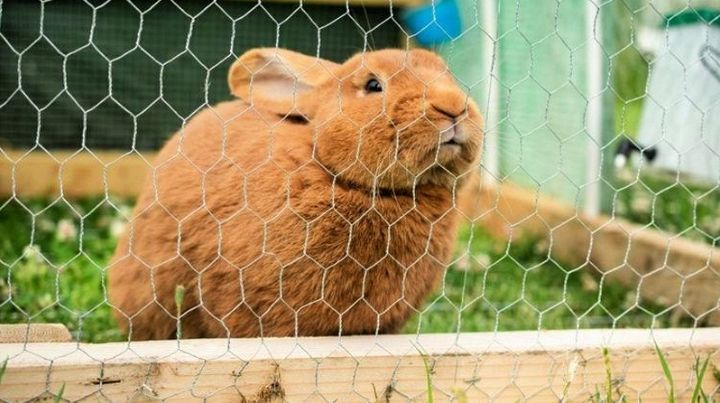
x=373, y=85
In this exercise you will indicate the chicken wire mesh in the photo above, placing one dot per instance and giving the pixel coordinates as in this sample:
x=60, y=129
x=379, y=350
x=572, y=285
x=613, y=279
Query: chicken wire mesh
x=565, y=89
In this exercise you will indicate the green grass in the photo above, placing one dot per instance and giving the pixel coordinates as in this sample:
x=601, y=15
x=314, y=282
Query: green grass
x=498, y=287
x=522, y=289
x=667, y=373
x=627, y=118
x=668, y=203
x=700, y=370
x=428, y=375
x=65, y=284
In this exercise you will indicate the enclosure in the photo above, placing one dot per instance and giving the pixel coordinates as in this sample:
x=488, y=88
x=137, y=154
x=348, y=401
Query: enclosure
x=587, y=259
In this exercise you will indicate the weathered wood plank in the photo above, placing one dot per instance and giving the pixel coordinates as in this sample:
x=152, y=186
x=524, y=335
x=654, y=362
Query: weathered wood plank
x=538, y=366
x=72, y=174
x=34, y=333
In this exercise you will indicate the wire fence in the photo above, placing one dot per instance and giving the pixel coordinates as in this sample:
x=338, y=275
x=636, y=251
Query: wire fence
x=548, y=166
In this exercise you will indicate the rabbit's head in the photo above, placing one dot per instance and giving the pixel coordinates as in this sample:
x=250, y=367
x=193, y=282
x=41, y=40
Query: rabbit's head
x=388, y=119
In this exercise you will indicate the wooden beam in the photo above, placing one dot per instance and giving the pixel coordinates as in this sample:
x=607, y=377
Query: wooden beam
x=34, y=333
x=72, y=174
x=511, y=366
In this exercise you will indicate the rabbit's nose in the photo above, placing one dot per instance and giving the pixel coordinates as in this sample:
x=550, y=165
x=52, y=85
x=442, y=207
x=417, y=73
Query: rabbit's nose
x=448, y=102
x=451, y=114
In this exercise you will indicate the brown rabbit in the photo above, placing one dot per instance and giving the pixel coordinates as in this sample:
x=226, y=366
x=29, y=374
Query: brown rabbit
x=320, y=203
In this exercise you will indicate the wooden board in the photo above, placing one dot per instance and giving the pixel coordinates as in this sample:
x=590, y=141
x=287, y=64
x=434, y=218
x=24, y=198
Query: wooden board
x=511, y=366
x=72, y=174
x=34, y=333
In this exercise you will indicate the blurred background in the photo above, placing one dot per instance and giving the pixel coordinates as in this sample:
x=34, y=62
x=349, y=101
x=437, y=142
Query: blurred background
x=610, y=111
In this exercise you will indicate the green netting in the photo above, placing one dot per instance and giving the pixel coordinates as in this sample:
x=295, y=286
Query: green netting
x=140, y=70
x=541, y=125
x=543, y=88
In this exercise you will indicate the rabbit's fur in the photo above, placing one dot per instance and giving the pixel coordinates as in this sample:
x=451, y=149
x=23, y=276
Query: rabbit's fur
x=310, y=206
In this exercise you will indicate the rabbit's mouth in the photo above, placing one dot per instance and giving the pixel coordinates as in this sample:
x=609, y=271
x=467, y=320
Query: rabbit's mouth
x=452, y=139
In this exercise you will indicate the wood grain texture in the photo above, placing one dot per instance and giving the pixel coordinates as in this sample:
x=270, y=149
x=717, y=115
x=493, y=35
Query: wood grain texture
x=34, y=333
x=510, y=366
x=72, y=174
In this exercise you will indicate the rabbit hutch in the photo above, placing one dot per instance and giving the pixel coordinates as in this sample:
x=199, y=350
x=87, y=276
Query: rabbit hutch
x=587, y=260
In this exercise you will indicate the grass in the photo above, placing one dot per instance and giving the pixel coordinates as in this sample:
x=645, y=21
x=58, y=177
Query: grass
x=609, y=392
x=627, y=118
x=669, y=203
x=667, y=373
x=428, y=374
x=518, y=287
x=49, y=274
x=700, y=370
x=491, y=286
x=608, y=395
x=3, y=367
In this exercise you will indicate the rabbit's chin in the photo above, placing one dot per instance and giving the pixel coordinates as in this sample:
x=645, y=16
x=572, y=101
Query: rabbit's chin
x=440, y=176
x=437, y=175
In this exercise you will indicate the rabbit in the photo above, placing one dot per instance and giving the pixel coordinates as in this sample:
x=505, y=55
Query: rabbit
x=319, y=202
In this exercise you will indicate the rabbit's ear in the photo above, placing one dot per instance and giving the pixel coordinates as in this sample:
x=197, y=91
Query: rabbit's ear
x=276, y=79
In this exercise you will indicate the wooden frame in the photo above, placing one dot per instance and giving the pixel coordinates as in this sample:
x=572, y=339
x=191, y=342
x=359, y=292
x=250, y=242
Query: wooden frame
x=35, y=333
x=664, y=268
x=511, y=366
x=72, y=174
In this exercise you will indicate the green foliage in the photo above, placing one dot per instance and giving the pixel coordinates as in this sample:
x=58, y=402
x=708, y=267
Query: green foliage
x=517, y=286
x=671, y=204
x=52, y=268
x=493, y=285
x=179, y=298
x=60, y=394
x=667, y=372
x=428, y=375
x=608, y=374
x=3, y=367
x=628, y=67
x=699, y=376
x=609, y=386
x=627, y=118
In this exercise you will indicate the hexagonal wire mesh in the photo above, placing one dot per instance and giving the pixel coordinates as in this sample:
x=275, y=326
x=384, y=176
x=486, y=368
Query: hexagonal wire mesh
x=337, y=195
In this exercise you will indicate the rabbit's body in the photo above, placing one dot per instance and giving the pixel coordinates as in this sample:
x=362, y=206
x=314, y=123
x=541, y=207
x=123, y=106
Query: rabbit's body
x=247, y=212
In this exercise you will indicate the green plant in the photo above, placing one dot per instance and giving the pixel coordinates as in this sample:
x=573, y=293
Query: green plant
x=515, y=285
x=608, y=385
x=60, y=394
x=608, y=373
x=667, y=373
x=428, y=374
x=48, y=277
x=3, y=367
x=664, y=201
x=499, y=286
x=179, y=297
x=699, y=376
